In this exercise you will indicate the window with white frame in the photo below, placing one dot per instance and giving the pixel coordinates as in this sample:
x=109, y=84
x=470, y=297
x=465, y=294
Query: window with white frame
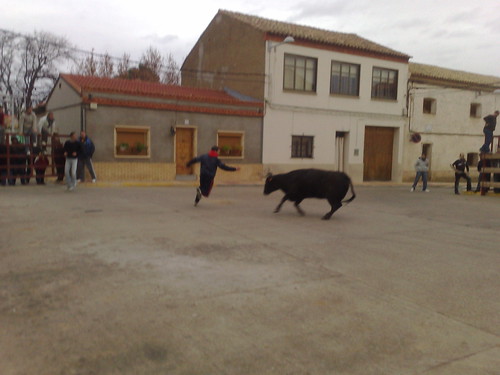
x=300, y=73
x=344, y=78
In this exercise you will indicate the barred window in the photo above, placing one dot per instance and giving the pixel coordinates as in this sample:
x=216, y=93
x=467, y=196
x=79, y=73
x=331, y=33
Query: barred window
x=302, y=146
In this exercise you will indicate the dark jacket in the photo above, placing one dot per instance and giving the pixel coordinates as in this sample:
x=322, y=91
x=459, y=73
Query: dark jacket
x=209, y=163
x=490, y=122
x=461, y=165
x=71, y=147
x=87, y=147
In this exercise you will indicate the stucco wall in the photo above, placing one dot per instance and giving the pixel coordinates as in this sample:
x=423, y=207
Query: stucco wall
x=450, y=131
x=65, y=102
x=321, y=114
x=101, y=124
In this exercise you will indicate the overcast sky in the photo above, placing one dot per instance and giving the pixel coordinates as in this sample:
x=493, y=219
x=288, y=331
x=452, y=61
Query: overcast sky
x=456, y=34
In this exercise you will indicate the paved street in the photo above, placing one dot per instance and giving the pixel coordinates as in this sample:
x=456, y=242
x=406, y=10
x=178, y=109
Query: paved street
x=135, y=280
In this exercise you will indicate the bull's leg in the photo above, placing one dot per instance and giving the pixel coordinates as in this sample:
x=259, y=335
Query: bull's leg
x=300, y=210
x=335, y=206
x=283, y=200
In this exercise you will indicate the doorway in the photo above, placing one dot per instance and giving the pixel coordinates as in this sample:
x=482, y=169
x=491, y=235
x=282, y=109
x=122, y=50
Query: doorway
x=427, y=150
x=378, y=151
x=184, y=150
x=340, y=150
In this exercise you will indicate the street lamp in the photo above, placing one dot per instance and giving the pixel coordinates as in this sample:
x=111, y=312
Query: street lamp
x=288, y=39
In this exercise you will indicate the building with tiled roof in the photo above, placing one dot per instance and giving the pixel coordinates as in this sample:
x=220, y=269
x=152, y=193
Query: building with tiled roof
x=332, y=100
x=446, y=109
x=147, y=130
x=424, y=73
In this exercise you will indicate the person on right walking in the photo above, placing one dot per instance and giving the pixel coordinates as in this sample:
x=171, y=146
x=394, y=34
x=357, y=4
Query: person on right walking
x=85, y=158
x=460, y=166
x=422, y=169
x=490, y=123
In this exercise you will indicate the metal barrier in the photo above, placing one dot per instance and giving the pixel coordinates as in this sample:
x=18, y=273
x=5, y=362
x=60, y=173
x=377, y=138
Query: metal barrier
x=20, y=157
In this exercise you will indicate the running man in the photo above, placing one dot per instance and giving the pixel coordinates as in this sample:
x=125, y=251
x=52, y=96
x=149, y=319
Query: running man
x=209, y=163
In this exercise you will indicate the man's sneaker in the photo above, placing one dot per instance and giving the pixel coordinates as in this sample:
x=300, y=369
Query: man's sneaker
x=412, y=189
x=198, y=196
x=93, y=180
x=427, y=190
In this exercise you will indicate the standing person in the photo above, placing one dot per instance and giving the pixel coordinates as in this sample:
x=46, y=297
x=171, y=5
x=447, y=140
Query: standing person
x=85, y=158
x=460, y=165
x=17, y=162
x=422, y=169
x=28, y=126
x=72, y=149
x=2, y=125
x=47, y=126
x=58, y=157
x=483, y=162
x=209, y=163
x=490, y=123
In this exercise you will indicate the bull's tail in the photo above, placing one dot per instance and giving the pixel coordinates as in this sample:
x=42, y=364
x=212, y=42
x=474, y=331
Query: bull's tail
x=353, y=193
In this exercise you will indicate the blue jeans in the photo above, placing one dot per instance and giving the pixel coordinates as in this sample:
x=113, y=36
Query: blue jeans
x=70, y=171
x=424, y=179
x=488, y=138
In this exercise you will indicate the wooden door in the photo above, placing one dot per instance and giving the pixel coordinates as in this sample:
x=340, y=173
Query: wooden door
x=378, y=153
x=184, y=150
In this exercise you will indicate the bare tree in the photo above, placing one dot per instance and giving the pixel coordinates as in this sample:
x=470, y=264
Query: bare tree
x=106, y=66
x=39, y=56
x=152, y=60
x=142, y=73
x=88, y=66
x=171, y=74
x=123, y=65
x=7, y=56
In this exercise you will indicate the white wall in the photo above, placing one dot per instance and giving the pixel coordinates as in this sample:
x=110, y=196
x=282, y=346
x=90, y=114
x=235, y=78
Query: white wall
x=450, y=130
x=321, y=114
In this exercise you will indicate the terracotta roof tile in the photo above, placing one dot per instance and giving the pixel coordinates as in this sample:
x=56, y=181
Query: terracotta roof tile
x=173, y=107
x=151, y=89
x=312, y=34
x=443, y=74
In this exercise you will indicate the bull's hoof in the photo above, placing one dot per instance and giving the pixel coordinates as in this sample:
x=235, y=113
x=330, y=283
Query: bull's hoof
x=326, y=217
x=276, y=211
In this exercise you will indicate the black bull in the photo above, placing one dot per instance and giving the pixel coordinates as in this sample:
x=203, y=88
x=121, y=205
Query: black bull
x=311, y=183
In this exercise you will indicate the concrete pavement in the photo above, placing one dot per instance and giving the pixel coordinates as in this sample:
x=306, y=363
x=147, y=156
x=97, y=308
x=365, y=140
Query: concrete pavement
x=128, y=280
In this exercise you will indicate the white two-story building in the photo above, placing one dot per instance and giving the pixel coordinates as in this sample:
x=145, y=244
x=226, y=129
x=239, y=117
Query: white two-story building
x=332, y=100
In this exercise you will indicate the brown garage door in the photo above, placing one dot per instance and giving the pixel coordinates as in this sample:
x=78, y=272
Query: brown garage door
x=378, y=153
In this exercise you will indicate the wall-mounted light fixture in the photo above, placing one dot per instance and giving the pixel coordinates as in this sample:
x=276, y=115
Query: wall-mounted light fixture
x=288, y=39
